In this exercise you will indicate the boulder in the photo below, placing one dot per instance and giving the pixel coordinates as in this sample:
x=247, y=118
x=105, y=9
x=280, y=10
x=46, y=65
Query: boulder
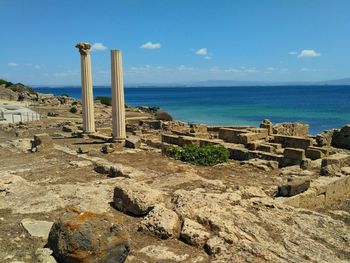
x=163, y=116
x=162, y=222
x=108, y=148
x=135, y=198
x=194, y=233
x=89, y=238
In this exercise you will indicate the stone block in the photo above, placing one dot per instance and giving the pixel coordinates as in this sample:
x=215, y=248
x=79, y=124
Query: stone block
x=133, y=142
x=294, y=154
x=315, y=153
x=171, y=139
x=293, y=141
x=266, y=148
x=230, y=135
x=184, y=140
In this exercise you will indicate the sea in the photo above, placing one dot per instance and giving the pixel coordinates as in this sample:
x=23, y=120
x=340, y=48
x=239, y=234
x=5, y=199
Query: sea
x=322, y=107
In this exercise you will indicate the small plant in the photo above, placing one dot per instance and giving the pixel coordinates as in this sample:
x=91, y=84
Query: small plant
x=208, y=155
x=74, y=103
x=64, y=95
x=73, y=109
x=105, y=100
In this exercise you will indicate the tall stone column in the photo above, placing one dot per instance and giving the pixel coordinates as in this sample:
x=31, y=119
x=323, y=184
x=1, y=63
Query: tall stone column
x=118, y=103
x=86, y=88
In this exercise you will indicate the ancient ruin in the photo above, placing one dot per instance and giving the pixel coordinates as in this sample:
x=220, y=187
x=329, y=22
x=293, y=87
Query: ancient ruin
x=118, y=103
x=86, y=88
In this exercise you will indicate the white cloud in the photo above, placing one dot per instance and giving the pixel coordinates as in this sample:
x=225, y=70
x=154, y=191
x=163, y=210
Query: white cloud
x=98, y=47
x=308, y=53
x=202, y=52
x=184, y=68
x=293, y=53
x=274, y=69
x=37, y=67
x=12, y=64
x=241, y=70
x=207, y=57
x=150, y=45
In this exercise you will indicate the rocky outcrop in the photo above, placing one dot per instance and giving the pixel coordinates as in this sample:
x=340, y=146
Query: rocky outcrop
x=89, y=238
x=135, y=198
x=194, y=233
x=163, y=116
x=162, y=222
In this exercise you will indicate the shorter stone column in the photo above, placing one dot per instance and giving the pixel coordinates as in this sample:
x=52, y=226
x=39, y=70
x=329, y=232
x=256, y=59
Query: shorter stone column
x=86, y=88
x=118, y=103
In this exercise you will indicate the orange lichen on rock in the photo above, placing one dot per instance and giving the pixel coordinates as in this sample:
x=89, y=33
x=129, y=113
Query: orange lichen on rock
x=85, y=216
x=71, y=225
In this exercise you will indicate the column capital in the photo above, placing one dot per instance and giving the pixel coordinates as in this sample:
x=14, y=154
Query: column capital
x=84, y=48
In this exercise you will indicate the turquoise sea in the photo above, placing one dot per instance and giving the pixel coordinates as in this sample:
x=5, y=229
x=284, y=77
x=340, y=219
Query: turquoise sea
x=322, y=107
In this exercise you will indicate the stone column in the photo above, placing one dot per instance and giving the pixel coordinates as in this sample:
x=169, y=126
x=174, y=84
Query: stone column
x=86, y=88
x=118, y=103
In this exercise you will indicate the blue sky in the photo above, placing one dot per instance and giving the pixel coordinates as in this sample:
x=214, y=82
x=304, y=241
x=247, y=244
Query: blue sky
x=165, y=41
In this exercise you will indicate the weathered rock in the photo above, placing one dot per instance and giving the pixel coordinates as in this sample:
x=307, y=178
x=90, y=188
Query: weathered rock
x=324, y=138
x=108, y=148
x=37, y=228
x=44, y=255
x=89, y=238
x=163, y=116
x=135, y=198
x=291, y=129
x=114, y=171
x=79, y=164
x=194, y=233
x=341, y=138
x=160, y=253
x=294, y=187
x=162, y=222
x=133, y=142
x=41, y=141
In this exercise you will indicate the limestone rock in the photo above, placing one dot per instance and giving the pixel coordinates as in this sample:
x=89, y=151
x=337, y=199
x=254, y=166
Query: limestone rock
x=89, y=238
x=79, y=164
x=41, y=141
x=294, y=187
x=160, y=253
x=194, y=233
x=291, y=129
x=44, y=255
x=108, y=148
x=162, y=222
x=133, y=142
x=37, y=228
x=135, y=198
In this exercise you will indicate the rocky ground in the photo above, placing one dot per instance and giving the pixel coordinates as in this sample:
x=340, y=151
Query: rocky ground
x=172, y=211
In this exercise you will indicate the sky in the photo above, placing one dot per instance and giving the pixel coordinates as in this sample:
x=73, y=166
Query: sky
x=176, y=41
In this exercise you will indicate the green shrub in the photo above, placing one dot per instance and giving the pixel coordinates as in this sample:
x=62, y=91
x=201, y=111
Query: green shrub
x=73, y=109
x=64, y=95
x=208, y=155
x=74, y=103
x=105, y=100
x=7, y=83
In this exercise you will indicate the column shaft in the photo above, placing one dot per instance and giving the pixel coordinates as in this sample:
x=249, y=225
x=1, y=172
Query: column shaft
x=87, y=94
x=118, y=103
